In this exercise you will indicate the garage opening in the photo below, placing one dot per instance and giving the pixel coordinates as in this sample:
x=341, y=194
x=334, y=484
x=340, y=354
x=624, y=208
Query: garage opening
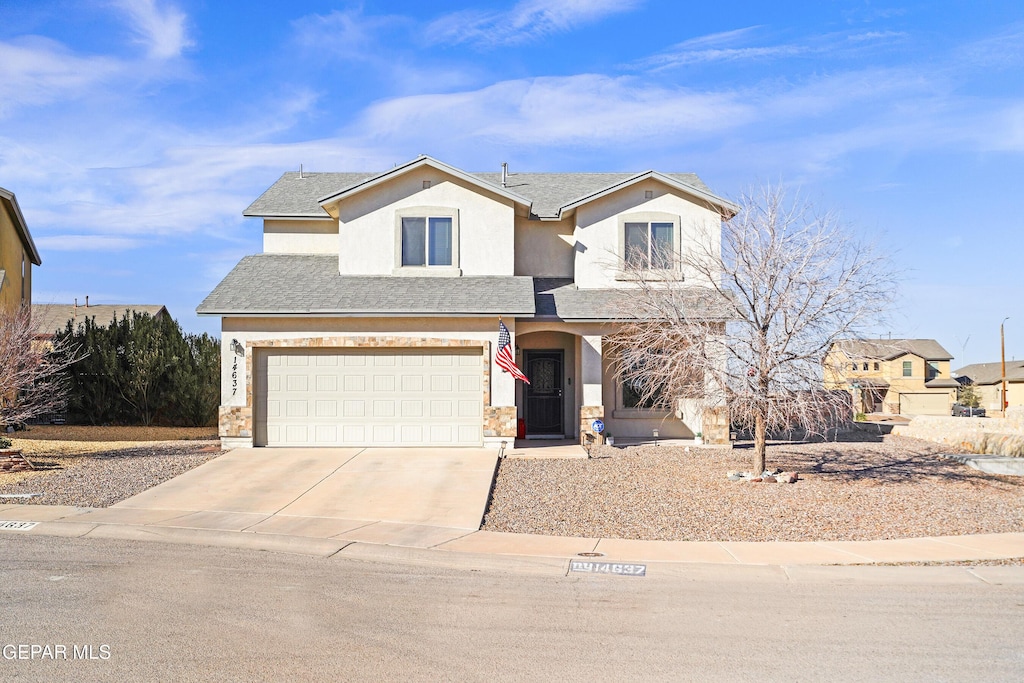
x=368, y=397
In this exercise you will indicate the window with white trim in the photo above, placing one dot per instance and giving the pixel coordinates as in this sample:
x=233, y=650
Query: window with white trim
x=649, y=245
x=427, y=241
x=648, y=241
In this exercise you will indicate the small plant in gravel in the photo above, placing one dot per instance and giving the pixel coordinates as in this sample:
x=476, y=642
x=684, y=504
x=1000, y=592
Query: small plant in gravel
x=5, y=443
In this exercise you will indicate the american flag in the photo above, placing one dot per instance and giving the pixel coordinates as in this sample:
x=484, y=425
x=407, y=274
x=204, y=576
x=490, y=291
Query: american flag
x=504, y=358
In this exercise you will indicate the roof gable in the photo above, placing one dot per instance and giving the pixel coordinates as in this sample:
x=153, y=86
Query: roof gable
x=547, y=195
x=330, y=201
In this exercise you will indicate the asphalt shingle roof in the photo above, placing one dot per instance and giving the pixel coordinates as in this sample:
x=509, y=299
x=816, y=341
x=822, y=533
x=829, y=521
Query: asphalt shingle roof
x=991, y=373
x=299, y=284
x=561, y=298
x=887, y=349
x=49, y=318
x=295, y=196
x=278, y=284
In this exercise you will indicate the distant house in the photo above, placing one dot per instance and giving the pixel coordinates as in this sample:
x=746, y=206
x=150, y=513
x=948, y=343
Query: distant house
x=894, y=376
x=17, y=255
x=51, y=318
x=987, y=377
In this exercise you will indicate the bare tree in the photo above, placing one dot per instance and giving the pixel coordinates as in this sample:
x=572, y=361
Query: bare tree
x=32, y=377
x=747, y=317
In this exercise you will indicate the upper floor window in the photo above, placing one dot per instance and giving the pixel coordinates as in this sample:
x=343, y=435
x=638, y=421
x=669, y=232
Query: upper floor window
x=427, y=241
x=876, y=367
x=931, y=370
x=908, y=368
x=649, y=245
x=648, y=240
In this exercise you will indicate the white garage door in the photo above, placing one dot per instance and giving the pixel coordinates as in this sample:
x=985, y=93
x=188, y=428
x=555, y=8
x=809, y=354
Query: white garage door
x=924, y=404
x=363, y=397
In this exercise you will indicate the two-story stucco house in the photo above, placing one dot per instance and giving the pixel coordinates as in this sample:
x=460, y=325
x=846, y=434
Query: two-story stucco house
x=894, y=376
x=17, y=255
x=372, y=316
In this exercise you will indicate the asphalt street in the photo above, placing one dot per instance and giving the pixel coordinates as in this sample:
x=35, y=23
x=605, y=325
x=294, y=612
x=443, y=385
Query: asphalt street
x=130, y=611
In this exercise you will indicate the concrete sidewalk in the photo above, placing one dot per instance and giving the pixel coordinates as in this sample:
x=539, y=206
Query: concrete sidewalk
x=326, y=536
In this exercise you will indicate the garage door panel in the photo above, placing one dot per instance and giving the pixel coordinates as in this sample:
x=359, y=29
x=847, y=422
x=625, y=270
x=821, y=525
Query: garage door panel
x=327, y=383
x=327, y=409
x=364, y=397
x=924, y=404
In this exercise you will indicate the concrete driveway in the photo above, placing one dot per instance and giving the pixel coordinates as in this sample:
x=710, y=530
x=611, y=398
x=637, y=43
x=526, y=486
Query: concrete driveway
x=296, y=490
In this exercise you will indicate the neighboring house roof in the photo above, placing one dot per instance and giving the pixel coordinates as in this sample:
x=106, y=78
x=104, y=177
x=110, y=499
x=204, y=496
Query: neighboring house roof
x=992, y=373
x=548, y=194
x=8, y=200
x=561, y=299
x=50, y=318
x=301, y=284
x=887, y=349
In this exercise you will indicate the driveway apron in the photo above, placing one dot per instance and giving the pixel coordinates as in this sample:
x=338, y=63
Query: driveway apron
x=422, y=486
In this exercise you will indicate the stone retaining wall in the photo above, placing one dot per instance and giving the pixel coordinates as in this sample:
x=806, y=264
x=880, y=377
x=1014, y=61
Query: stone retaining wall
x=991, y=436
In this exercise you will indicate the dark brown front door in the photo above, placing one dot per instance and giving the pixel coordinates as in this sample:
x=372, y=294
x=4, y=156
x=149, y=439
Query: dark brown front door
x=544, y=408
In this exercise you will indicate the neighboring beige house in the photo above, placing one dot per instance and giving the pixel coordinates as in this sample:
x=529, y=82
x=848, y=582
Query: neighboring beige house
x=51, y=318
x=893, y=376
x=17, y=255
x=371, y=318
x=987, y=378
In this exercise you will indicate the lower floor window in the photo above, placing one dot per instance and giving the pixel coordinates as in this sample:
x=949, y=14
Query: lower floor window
x=635, y=395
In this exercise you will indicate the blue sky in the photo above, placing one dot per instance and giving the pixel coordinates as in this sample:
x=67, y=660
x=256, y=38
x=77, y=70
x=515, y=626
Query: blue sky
x=134, y=132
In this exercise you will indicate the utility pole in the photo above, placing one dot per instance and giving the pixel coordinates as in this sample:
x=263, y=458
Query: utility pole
x=1002, y=346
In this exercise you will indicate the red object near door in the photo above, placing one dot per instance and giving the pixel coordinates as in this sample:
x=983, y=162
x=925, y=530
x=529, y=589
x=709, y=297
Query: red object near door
x=521, y=429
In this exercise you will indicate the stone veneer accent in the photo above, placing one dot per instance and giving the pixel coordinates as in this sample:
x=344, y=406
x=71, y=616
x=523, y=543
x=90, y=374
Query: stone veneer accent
x=500, y=421
x=715, y=426
x=237, y=421
x=587, y=415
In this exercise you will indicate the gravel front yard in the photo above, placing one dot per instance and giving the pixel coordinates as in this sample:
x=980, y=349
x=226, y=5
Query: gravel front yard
x=896, y=488
x=90, y=472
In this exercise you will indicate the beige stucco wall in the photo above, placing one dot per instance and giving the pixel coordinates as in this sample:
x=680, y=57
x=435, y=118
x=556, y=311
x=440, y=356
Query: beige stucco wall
x=545, y=248
x=12, y=254
x=367, y=224
x=300, y=236
x=502, y=390
x=597, y=260
x=990, y=394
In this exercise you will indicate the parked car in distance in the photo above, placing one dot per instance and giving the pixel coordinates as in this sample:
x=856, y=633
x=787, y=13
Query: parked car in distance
x=960, y=410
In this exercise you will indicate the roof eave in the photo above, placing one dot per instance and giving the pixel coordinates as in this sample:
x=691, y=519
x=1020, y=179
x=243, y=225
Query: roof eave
x=21, y=226
x=359, y=314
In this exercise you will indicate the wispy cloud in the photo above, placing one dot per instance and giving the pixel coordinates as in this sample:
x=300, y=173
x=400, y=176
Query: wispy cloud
x=86, y=243
x=733, y=46
x=347, y=33
x=160, y=28
x=35, y=70
x=528, y=20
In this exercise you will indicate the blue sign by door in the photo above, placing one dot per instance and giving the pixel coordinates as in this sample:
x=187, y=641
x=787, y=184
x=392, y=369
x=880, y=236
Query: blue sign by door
x=597, y=426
